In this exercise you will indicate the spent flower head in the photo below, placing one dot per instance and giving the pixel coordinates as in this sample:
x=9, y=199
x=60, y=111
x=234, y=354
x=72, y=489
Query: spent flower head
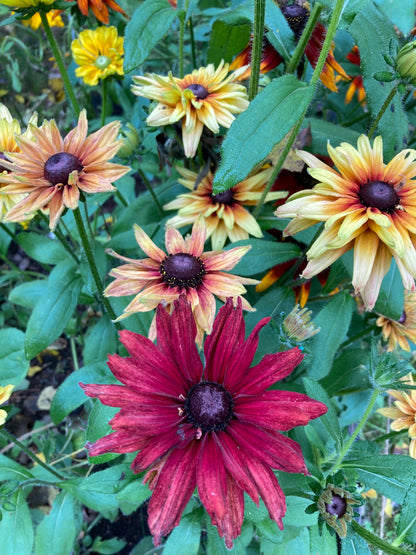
x=298, y=325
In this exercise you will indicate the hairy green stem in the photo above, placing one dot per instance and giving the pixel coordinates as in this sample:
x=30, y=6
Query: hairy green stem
x=376, y=541
x=336, y=14
x=304, y=39
x=191, y=33
x=104, y=101
x=181, y=44
x=357, y=430
x=10, y=437
x=60, y=63
x=93, y=267
x=151, y=191
x=382, y=110
x=257, y=47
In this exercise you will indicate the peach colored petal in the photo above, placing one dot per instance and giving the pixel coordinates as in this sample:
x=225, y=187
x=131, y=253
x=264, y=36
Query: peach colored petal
x=147, y=245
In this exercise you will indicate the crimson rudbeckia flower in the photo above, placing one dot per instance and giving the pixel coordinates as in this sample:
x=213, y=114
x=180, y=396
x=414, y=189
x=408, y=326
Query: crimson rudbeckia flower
x=212, y=426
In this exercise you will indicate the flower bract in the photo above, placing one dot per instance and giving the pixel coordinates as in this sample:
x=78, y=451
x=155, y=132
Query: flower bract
x=185, y=269
x=367, y=206
x=99, y=53
x=207, y=96
x=213, y=426
x=224, y=213
x=52, y=171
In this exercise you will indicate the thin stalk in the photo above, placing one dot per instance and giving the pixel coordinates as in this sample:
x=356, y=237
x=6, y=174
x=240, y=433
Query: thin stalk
x=60, y=63
x=74, y=353
x=30, y=453
x=257, y=47
x=122, y=199
x=28, y=434
x=191, y=33
x=374, y=540
x=61, y=238
x=382, y=110
x=336, y=14
x=87, y=219
x=104, y=101
x=93, y=267
x=304, y=39
x=151, y=191
x=181, y=44
x=357, y=430
x=7, y=230
x=363, y=333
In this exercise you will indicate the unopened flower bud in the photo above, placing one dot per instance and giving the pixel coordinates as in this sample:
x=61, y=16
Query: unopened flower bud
x=334, y=505
x=130, y=137
x=406, y=62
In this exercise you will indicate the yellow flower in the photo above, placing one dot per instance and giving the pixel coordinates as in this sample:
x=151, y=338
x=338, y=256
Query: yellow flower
x=367, y=206
x=397, y=332
x=5, y=393
x=9, y=130
x=54, y=19
x=185, y=270
x=224, y=213
x=404, y=412
x=26, y=3
x=52, y=171
x=99, y=54
x=207, y=96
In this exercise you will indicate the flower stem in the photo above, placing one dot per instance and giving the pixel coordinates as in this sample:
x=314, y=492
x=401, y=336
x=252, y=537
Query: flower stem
x=357, y=430
x=336, y=14
x=93, y=267
x=59, y=60
x=376, y=541
x=151, y=191
x=61, y=237
x=191, y=33
x=104, y=102
x=382, y=110
x=181, y=44
x=6, y=230
x=30, y=453
x=257, y=47
x=304, y=39
x=363, y=333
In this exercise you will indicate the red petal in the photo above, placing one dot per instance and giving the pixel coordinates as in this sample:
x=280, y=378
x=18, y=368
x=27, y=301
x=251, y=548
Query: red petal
x=211, y=478
x=114, y=395
x=175, y=485
x=152, y=421
x=278, y=410
x=176, y=338
x=117, y=442
x=271, y=369
x=229, y=527
x=272, y=449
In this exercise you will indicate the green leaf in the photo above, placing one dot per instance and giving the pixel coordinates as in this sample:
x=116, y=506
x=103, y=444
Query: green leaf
x=279, y=34
x=389, y=475
x=348, y=373
x=372, y=33
x=149, y=24
x=52, y=312
x=263, y=255
x=98, y=427
x=324, y=132
x=407, y=520
x=16, y=530
x=43, y=249
x=69, y=396
x=330, y=419
x=391, y=297
x=57, y=532
x=29, y=293
x=323, y=542
x=270, y=116
x=295, y=512
x=334, y=321
x=185, y=538
x=13, y=363
x=11, y=470
x=226, y=41
x=132, y=496
x=100, y=341
x=107, y=547
x=402, y=17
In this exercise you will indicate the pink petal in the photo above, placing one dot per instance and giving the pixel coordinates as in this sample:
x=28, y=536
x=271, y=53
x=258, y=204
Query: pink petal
x=147, y=245
x=199, y=233
x=174, y=241
x=175, y=486
x=117, y=442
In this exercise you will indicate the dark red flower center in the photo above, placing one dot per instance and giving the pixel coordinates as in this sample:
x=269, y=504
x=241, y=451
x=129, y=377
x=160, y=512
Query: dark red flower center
x=337, y=506
x=199, y=91
x=2, y=168
x=226, y=197
x=209, y=407
x=296, y=16
x=182, y=270
x=378, y=194
x=59, y=166
x=402, y=318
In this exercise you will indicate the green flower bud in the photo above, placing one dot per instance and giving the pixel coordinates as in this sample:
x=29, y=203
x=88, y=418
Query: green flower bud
x=130, y=137
x=406, y=62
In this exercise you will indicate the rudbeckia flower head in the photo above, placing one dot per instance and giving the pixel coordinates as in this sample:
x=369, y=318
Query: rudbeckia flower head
x=51, y=171
x=99, y=8
x=224, y=213
x=213, y=426
x=397, y=332
x=270, y=59
x=99, y=54
x=185, y=269
x=207, y=96
x=367, y=205
x=53, y=16
x=403, y=413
